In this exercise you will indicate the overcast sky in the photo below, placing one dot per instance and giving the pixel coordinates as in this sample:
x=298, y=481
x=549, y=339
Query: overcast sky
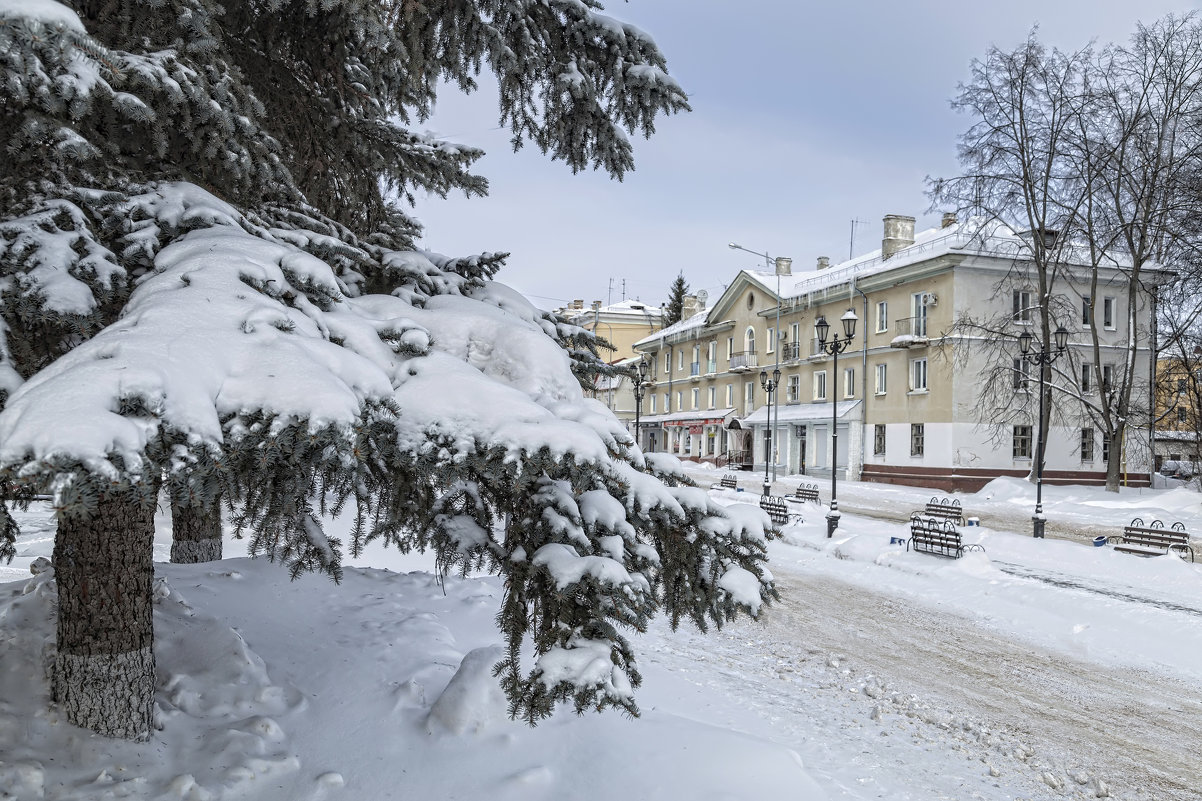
x=806, y=116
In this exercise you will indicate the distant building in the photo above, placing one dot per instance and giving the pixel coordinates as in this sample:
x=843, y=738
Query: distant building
x=907, y=399
x=1179, y=416
x=621, y=324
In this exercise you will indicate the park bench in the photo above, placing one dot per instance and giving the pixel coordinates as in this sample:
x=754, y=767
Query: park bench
x=777, y=511
x=944, y=509
x=1153, y=539
x=729, y=481
x=938, y=537
x=807, y=492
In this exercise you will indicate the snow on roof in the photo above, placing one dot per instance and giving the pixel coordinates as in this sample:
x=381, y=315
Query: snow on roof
x=973, y=236
x=696, y=414
x=797, y=413
x=696, y=321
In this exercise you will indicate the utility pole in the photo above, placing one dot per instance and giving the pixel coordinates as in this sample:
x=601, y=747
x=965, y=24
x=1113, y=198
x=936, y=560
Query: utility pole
x=851, y=242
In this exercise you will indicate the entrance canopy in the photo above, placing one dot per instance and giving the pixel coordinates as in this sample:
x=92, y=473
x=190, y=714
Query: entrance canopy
x=694, y=419
x=801, y=413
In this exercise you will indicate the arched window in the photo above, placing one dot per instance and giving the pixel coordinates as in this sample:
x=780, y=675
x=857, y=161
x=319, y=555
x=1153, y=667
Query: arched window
x=749, y=340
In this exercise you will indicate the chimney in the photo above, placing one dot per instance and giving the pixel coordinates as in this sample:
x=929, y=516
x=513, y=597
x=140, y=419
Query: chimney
x=899, y=233
x=824, y=262
x=949, y=219
x=577, y=305
x=784, y=265
x=689, y=306
x=596, y=305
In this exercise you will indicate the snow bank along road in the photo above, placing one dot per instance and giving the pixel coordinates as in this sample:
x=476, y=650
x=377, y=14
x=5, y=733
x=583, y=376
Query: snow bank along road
x=1087, y=730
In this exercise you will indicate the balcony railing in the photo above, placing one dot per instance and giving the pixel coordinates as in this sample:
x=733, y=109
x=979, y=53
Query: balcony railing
x=711, y=367
x=912, y=326
x=695, y=368
x=790, y=352
x=743, y=360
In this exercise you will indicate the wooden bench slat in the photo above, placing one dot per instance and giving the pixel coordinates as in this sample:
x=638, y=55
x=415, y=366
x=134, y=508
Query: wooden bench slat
x=1153, y=539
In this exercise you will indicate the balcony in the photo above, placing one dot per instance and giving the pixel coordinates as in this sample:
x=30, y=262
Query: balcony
x=911, y=333
x=790, y=352
x=711, y=367
x=817, y=352
x=743, y=361
x=695, y=371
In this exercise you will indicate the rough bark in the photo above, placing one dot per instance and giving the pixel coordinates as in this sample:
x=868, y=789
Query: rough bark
x=103, y=673
x=196, y=534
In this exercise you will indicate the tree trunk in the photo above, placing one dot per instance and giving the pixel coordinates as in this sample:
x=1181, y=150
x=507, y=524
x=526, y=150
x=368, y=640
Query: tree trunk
x=1114, y=467
x=196, y=533
x=103, y=673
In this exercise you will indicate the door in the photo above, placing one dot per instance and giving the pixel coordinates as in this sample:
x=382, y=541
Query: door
x=821, y=445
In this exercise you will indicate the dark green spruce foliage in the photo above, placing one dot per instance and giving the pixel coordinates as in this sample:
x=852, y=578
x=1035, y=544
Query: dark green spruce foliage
x=675, y=310
x=294, y=114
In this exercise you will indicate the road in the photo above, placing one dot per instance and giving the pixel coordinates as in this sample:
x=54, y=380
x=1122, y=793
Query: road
x=1066, y=728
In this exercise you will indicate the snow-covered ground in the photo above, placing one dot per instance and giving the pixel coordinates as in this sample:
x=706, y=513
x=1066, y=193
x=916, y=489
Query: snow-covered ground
x=1038, y=669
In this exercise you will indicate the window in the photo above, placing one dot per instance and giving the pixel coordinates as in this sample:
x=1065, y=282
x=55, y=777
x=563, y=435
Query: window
x=680, y=361
x=918, y=375
x=1086, y=310
x=849, y=382
x=1087, y=377
x=918, y=310
x=878, y=439
x=1022, y=306
x=794, y=336
x=820, y=385
x=1021, y=448
x=1181, y=414
x=1181, y=385
x=770, y=341
x=653, y=403
x=667, y=362
x=748, y=397
x=713, y=397
x=1108, y=305
x=794, y=389
x=1105, y=449
x=696, y=397
x=882, y=317
x=730, y=348
x=749, y=340
x=881, y=375
x=1087, y=444
x=667, y=403
x=1107, y=378
x=730, y=396
x=1022, y=375
x=917, y=439
x=679, y=401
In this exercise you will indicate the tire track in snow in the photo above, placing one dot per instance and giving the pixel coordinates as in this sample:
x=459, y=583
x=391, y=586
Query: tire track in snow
x=1139, y=731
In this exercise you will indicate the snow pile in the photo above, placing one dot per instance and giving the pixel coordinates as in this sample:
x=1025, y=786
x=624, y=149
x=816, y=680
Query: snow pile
x=381, y=687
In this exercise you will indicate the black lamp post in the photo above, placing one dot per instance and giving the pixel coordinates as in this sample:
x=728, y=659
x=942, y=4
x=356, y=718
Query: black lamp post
x=834, y=348
x=640, y=390
x=769, y=385
x=1043, y=356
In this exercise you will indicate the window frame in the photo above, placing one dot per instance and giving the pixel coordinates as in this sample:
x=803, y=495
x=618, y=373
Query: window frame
x=882, y=378
x=1086, y=446
x=820, y=385
x=849, y=382
x=1110, y=312
x=918, y=437
x=1021, y=442
x=878, y=439
x=1021, y=311
x=882, y=316
x=914, y=370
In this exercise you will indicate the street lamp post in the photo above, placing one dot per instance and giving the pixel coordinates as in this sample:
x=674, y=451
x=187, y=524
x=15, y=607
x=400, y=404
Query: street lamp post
x=640, y=389
x=834, y=348
x=769, y=385
x=1042, y=357
x=782, y=264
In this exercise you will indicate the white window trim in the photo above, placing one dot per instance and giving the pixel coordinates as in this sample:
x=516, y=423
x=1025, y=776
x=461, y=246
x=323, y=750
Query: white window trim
x=915, y=390
x=1113, y=305
x=882, y=316
x=770, y=340
x=882, y=372
x=820, y=379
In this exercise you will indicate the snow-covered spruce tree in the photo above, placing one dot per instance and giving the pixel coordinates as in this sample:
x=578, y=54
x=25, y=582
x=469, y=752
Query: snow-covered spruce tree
x=289, y=355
